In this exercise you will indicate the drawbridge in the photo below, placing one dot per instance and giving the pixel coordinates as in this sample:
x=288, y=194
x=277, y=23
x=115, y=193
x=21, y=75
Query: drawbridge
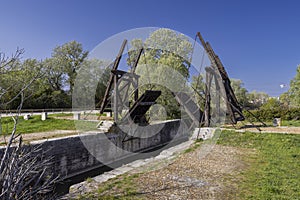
x=134, y=110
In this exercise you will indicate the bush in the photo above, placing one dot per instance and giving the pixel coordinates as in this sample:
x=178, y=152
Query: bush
x=268, y=114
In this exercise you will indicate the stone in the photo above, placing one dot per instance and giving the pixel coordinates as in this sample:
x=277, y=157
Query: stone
x=76, y=116
x=44, y=116
x=26, y=117
x=277, y=122
x=108, y=114
x=203, y=133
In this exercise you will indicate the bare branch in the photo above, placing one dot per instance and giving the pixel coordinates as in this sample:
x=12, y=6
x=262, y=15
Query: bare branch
x=8, y=63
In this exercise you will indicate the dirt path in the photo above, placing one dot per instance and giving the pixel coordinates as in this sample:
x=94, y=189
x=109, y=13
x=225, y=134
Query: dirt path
x=191, y=177
x=281, y=129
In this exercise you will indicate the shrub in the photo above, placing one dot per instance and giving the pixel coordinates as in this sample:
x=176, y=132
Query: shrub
x=268, y=114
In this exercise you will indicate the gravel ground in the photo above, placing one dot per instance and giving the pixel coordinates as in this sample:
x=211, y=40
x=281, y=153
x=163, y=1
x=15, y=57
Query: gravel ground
x=215, y=176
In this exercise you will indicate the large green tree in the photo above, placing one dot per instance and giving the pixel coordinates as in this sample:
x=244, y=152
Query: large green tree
x=55, y=88
x=68, y=59
x=256, y=99
x=17, y=79
x=165, y=47
x=166, y=61
x=240, y=91
x=294, y=91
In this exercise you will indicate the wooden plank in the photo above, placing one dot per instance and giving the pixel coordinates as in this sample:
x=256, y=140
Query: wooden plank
x=233, y=106
x=111, y=78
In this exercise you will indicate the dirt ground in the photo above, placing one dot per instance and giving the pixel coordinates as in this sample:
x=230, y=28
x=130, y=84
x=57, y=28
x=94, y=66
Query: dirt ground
x=281, y=129
x=215, y=176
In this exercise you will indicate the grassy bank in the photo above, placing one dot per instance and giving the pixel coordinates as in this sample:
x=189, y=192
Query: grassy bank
x=35, y=124
x=274, y=172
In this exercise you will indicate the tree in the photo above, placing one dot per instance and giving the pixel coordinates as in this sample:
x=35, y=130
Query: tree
x=54, y=89
x=165, y=61
x=239, y=91
x=68, y=59
x=294, y=91
x=86, y=93
x=166, y=47
x=23, y=170
x=50, y=91
x=257, y=99
x=17, y=79
x=285, y=100
x=271, y=104
x=198, y=86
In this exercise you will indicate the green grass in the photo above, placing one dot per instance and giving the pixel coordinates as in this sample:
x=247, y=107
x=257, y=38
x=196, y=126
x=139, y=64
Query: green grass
x=71, y=114
x=291, y=123
x=274, y=172
x=123, y=188
x=60, y=115
x=35, y=124
x=195, y=146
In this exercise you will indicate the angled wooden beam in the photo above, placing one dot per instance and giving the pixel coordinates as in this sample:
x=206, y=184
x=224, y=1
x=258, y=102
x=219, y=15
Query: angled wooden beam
x=111, y=78
x=234, y=109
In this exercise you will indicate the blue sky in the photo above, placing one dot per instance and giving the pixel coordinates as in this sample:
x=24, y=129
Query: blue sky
x=258, y=41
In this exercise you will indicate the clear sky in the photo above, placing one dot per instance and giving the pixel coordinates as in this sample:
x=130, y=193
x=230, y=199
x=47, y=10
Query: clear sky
x=258, y=41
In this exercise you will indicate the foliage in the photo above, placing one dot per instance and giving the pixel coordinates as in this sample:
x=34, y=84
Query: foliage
x=198, y=86
x=69, y=58
x=90, y=84
x=239, y=91
x=271, y=104
x=274, y=108
x=17, y=78
x=273, y=172
x=166, y=54
x=23, y=169
x=294, y=91
x=292, y=123
x=251, y=99
x=290, y=99
x=256, y=99
x=54, y=85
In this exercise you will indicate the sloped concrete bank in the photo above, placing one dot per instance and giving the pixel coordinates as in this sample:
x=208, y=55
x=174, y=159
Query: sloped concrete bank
x=74, y=158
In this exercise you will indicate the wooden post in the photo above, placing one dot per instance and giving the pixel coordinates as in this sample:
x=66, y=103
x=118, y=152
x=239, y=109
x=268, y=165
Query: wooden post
x=207, y=113
x=116, y=93
x=110, y=81
x=233, y=107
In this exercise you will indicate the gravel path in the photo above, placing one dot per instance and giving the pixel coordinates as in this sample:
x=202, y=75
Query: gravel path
x=281, y=129
x=215, y=176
